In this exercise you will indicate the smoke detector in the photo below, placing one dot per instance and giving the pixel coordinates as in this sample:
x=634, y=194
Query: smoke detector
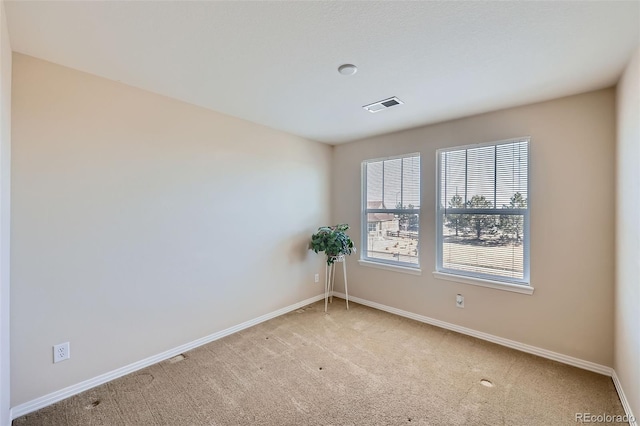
x=383, y=104
x=347, y=69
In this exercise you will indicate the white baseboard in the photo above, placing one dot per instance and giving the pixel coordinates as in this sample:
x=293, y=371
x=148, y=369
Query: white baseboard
x=623, y=398
x=565, y=359
x=46, y=400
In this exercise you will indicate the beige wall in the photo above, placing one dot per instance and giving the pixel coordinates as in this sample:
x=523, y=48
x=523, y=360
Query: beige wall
x=5, y=197
x=572, y=226
x=141, y=223
x=627, y=300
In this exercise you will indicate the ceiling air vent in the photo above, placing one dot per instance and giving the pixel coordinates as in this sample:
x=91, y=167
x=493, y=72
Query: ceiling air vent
x=382, y=105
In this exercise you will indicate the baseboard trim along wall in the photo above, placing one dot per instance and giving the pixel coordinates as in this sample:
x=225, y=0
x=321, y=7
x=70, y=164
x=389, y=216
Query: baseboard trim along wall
x=565, y=359
x=544, y=353
x=623, y=399
x=52, y=398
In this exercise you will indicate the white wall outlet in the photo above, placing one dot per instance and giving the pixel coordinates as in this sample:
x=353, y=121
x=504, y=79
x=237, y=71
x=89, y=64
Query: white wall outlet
x=459, y=301
x=316, y=278
x=61, y=352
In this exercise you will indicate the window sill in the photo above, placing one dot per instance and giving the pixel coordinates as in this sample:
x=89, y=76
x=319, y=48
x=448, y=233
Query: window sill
x=498, y=285
x=395, y=268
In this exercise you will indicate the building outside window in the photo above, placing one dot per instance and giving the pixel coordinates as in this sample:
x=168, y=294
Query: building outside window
x=391, y=210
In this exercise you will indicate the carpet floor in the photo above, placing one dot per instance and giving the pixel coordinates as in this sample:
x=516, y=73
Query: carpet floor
x=356, y=367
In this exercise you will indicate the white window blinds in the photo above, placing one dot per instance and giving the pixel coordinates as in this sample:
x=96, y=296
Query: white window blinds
x=483, y=211
x=391, y=210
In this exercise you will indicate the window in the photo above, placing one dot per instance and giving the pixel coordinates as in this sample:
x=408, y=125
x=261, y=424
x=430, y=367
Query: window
x=391, y=210
x=483, y=211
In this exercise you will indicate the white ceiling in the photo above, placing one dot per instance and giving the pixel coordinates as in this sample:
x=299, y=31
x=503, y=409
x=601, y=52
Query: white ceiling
x=275, y=63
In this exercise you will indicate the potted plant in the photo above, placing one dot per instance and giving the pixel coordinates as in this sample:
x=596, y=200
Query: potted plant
x=333, y=241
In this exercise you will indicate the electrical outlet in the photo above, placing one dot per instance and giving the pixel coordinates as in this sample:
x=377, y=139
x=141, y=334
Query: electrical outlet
x=316, y=278
x=61, y=352
x=459, y=301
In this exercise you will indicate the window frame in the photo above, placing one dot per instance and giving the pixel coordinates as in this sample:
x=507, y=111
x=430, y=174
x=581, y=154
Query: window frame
x=365, y=260
x=485, y=280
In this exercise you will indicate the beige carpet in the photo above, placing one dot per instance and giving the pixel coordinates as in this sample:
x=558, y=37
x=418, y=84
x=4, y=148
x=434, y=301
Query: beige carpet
x=356, y=367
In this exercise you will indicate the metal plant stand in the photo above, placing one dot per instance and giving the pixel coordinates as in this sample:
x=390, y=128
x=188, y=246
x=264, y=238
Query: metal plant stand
x=329, y=281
